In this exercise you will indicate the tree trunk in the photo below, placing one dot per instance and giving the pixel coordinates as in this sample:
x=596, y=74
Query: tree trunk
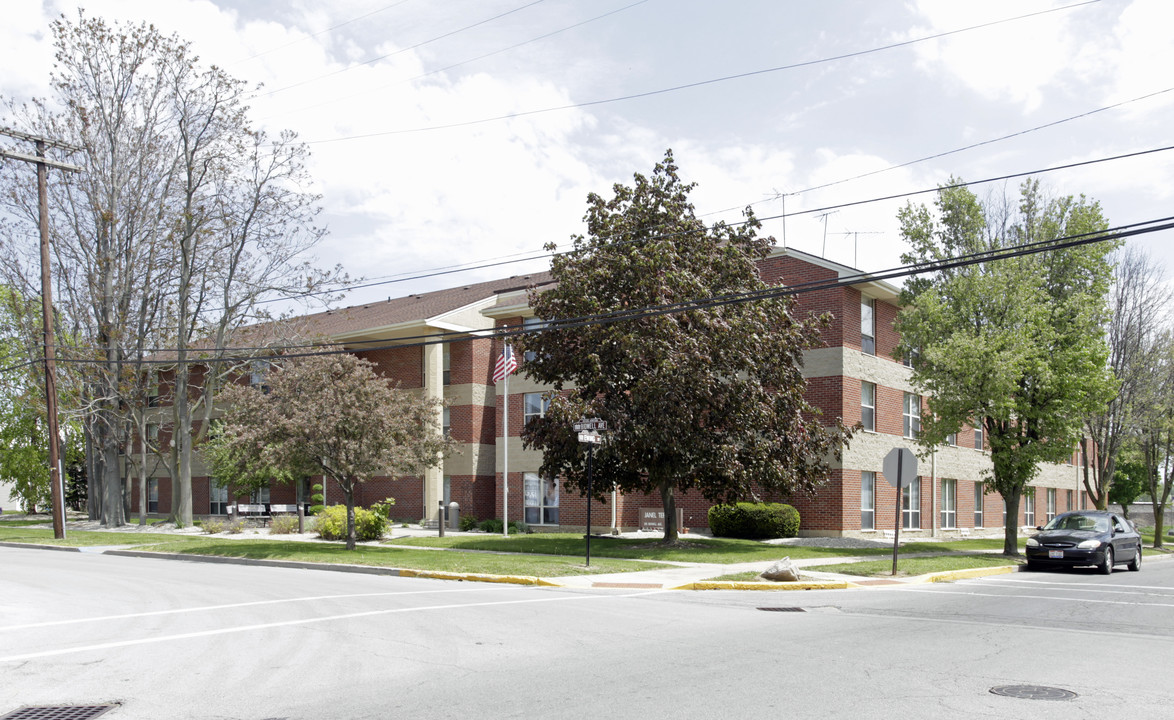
x=112, y=515
x=349, y=492
x=1011, y=527
x=670, y=510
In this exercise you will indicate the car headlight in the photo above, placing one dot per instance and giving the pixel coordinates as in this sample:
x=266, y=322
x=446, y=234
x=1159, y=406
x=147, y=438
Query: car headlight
x=1089, y=544
x=1032, y=542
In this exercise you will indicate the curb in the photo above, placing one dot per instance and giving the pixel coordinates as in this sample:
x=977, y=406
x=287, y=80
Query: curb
x=952, y=575
x=36, y=546
x=800, y=585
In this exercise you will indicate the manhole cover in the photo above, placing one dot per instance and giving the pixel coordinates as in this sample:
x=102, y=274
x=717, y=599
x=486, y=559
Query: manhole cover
x=1033, y=692
x=57, y=712
x=782, y=609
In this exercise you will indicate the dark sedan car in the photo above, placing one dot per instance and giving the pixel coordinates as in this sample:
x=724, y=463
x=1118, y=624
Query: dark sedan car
x=1086, y=537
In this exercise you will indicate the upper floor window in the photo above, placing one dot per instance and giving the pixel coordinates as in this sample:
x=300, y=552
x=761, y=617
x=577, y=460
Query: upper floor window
x=259, y=375
x=531, y=323
x=447, y=364
x=978, y=434
x=446, y=422
x=868, y=325
x=868, y=406
x=912, y=415
x=152, y=389
x=952, y=439
x=910, y=357
x=534, y=405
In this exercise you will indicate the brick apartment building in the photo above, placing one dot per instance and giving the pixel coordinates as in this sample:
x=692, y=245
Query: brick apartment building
x=854, y=377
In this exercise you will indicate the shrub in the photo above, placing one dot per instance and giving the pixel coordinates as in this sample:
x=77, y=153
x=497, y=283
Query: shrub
x=235, y=527
x=519, y=527
x=283, y=525
x=212, y=526
x=468, y=523
x=331, y=524
x=754, y=521
x=492, y=525
x=383, y=507
x=316, y=499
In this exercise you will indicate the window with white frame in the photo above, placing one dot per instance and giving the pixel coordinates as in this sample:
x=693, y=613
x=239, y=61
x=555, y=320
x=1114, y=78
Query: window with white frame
x=447, y=364
x=1068, y=500
x=867, y=500
x=153, y=495
x=868, y=325
x=260, y=496
x=912, y=415
x=534, y=405
x=978, y=434
x=217, y=498
x=531, y=323
x=1050, y=511
x=952, y=439
x=868, y=406
x=911, y=505
x=541, y=496
x=446, y=422
x=979, y=494
x=259, y=375
x=949, y=504
x=447, y=490
x=1029, y=507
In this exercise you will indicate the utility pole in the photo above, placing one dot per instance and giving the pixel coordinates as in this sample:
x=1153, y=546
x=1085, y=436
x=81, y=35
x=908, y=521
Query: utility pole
x=56, y=483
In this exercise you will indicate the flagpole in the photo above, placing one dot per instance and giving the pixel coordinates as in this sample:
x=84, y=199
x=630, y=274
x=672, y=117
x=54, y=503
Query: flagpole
x=505, y=493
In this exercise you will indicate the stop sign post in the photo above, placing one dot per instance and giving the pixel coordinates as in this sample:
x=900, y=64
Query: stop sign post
x=900, y=469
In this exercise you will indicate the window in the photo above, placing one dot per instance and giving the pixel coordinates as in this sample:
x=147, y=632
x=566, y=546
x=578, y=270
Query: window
x=867, y=500
x=152, y=436
x=447, y=362
x=258, y=374
x=152, y=389
x=979, y=493
x=1050, y=512
x=1068, y=504
x=1029, y=507
x=446, y=422
x=867, y=326
x=260, y=496
x=541, y=499
x=447, y=490
x=1083, y=500
x=949, y=504
x=952, y=439
x=911, y=505
x=911, y=357
x=912, y=415
x=153, y=495
x=534, y=405
x=531, y=323
x=218, y=498
x=978, y=434
x=868, y=406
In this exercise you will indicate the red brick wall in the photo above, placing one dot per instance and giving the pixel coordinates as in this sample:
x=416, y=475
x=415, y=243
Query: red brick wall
x=403, y=365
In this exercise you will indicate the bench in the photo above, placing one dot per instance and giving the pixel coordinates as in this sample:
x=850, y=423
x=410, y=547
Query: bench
x=964, y=532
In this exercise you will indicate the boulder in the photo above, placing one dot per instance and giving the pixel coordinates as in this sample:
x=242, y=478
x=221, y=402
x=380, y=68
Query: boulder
x=782, y=571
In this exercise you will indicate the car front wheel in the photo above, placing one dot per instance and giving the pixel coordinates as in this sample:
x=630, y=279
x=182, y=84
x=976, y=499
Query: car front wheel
x=1135, y=563
x=1106, y=566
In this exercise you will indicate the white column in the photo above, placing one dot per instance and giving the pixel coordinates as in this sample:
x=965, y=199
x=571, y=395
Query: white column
x=434, y=390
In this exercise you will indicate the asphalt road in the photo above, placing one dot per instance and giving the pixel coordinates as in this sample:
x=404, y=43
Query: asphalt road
x=169, y=639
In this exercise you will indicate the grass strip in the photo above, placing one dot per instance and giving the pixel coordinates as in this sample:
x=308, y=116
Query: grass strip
x=915, y=566
x=397, y=557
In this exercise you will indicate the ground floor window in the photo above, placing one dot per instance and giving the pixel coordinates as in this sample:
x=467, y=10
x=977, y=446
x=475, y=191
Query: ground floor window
x=979, y=494
x=541, y=499
x=153, y=495
x=260, y=496
x=1029, y=507
x=1051, y=509
x=218, y=497
x=1068, y=503
x=911, y=505
x=949, y=504
x=868, y=500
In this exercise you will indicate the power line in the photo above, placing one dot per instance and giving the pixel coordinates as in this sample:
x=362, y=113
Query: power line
x=772, y=292
x=498, y=263
x=699, y=83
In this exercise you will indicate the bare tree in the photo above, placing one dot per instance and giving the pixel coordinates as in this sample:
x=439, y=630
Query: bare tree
x=1137, y=306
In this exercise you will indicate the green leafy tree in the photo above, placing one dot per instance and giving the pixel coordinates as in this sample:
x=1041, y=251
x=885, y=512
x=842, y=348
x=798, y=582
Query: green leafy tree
x=1129, y=482
x=708, y=398
x=237, y=468
x=1015, y=343
x=330, y=415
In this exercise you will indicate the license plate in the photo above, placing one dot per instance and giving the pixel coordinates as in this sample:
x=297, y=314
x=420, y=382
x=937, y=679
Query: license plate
x=1056, y=554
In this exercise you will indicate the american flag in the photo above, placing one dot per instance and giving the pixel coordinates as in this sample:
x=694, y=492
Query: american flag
x=506, y=364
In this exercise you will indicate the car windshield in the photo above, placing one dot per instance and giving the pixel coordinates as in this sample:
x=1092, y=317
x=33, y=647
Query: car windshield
x=1079, y=522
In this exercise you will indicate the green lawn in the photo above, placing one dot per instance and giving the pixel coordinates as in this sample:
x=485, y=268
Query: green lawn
x=708, y=550
x=84, y=538
x=916, y=566
x=399, y=557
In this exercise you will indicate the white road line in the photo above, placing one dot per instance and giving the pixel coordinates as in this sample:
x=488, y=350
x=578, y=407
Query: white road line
x=1016, y=627
x=307, y=621
x=1136, y=591
x=1034, y=597
x=1001, y=579
x=229, y=606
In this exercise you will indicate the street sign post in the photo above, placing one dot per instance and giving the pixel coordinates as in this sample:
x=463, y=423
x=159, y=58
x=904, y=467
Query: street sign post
x=589, y=429
x=900, y=469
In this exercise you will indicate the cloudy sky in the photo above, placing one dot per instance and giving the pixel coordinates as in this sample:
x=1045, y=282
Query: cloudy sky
x=462, y=132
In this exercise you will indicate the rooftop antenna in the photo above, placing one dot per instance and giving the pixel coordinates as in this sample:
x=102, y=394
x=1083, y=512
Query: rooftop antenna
x=824, y=217
x=856, y=242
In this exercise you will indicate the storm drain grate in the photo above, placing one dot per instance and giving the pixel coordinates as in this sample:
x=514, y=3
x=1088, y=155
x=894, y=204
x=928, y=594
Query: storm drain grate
x=1033, y=692
x=782, y=609
x=57, y=712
